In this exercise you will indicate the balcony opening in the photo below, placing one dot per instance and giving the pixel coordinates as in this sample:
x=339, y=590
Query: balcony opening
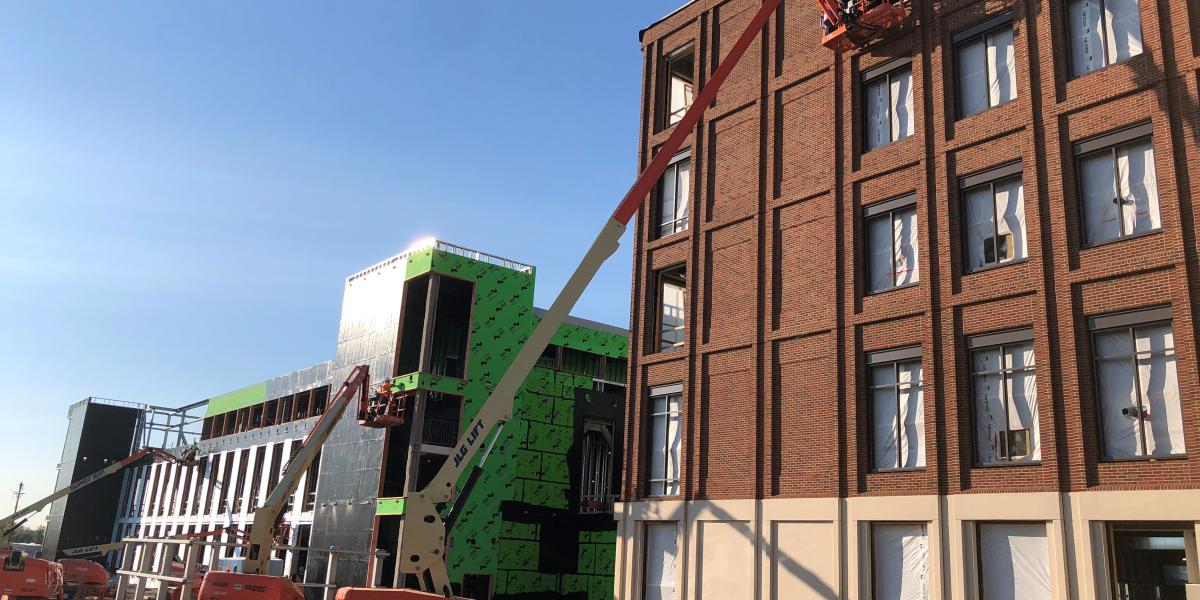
x=597, y=467
x=270, y=412
x=430, y=463
x=395, y=459
x=301, y=403
x=442, y=414
x=320, y=398
x=451, y=324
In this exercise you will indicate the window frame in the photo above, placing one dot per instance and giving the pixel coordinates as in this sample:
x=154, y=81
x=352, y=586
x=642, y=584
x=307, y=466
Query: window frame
x=977, y=526
x=1110, y=143
x=1111, y=528
x=673, y=168
x=660, y=278
x=981, y=31
x=879, y=210
x=873, y=74
x=990, y=178
x=1129, y=321
x=1001, y=341
x=669, y=59
x=894, y=358
x=666, y=392
x=871, y=525
x=1103, y=32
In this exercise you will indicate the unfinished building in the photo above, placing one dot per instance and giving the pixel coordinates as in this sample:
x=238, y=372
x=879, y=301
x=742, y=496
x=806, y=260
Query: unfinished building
x=918, y=320
x=441, y=323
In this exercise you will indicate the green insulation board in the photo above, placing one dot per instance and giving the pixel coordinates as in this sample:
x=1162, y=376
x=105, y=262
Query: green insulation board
x=237, y=399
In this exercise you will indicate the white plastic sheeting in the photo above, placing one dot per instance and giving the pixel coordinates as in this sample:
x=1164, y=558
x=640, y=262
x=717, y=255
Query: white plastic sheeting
x=898, y=413
x=665, y=442
x=661, y=559
x=987, y=72
x=1015, y=561
x=893, y=258
x=1005, y=400
x=900, y=561
x=889, y=107
x=674, y=196
x=995, y=218
x=1139, y=392
x=1120, y=192
x=1103, y=32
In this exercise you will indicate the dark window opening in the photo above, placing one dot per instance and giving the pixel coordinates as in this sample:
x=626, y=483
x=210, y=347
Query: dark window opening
x=260, y=455
x=240, y=486
x=477, y=587
x=301, y=403
x=430, y=463
x=256, y=416
x=549, y=358
x=310, y=484
x=269, y=413
x=395, y=461
x=597, y=470
x=451, y=324
x=1150, y=562
x=320, y=398
x=442, y=416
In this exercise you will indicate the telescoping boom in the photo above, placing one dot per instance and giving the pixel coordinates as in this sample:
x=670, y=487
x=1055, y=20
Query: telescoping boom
x=12, y=522
x=422, y=548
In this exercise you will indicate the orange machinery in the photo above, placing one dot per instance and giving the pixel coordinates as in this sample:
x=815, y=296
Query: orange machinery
x=850, y=24
x=25, y=578
x=83, y=579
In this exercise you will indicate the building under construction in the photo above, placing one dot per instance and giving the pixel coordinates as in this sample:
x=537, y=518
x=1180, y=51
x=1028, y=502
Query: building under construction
x=919, y=319
x=442, y=323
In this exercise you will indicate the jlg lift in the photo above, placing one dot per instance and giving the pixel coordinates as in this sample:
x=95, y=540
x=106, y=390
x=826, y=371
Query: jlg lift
x=12, y=522
x=850, y=24
x=430, y=513
x=253, y=583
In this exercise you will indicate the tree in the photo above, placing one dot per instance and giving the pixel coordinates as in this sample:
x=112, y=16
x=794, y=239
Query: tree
x=25, y=535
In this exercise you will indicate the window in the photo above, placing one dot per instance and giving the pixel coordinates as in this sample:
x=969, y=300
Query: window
x=665, y=438
x=672, y=310
x=987, y=74
x=1014, y=561
x=680, y=73
x=1150, y=560
x=673, y=194
x=596, y=466
x=888, y=104
x=899, y=561
x=1004, y=387
x=1103, y=32
x=1138, y=388
x=891, y=244
x=658, y=571
x=994, y=217
x=897, y=409
x=1118, y=185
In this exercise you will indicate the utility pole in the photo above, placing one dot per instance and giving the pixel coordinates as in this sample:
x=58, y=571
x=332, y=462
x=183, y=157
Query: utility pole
x=20, y=492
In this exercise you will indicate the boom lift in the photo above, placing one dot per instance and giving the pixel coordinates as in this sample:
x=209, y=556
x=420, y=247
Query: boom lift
x=423, y=541
x=850, y=24
x=12, y=522
x=253, y=581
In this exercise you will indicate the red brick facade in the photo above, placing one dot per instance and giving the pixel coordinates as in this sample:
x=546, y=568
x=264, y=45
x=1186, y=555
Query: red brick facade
x=777, y=321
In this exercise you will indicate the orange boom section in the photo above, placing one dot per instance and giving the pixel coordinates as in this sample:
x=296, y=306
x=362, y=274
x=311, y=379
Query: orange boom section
x=225, y=585
x=83, y=579
x=23, y=577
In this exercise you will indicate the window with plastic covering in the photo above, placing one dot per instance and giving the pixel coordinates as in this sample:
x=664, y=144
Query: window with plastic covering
x=663, y=449
x=888, y=104
x=994, y=218
x=1137, y=385
x=1004, y=390
x=1103, y=32
x=673, y=195
x=987, y=70
x=1118, y=185
x=899, y=561
x=679, y=84
x=891, y=244
x=672, y=310
x=660, y=560
x=897, y=409
x=1013, y=561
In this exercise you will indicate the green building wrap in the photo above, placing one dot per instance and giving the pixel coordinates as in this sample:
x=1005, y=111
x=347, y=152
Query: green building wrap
x=527, y=483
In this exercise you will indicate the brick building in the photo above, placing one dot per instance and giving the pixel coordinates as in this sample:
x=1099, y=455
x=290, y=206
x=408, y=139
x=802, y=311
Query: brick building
x=917, y=321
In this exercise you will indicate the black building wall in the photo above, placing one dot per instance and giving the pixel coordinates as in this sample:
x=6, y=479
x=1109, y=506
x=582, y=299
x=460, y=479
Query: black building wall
x=97, y=435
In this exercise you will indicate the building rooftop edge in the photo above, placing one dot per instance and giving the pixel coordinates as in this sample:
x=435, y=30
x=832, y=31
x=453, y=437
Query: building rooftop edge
x=588, y=323
x=642, y=33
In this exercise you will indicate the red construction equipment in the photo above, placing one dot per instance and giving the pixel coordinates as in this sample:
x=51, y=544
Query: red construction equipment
x=83, y=579
x=25, y=578
x=850, y=24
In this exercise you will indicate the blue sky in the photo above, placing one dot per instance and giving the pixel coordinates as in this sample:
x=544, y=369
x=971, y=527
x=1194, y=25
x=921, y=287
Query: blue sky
x=185, y=187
